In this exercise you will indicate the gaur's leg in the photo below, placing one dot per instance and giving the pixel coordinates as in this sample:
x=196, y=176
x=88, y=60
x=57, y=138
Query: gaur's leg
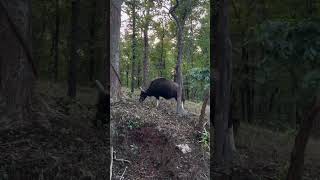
x=183, y=102
x=157, y=101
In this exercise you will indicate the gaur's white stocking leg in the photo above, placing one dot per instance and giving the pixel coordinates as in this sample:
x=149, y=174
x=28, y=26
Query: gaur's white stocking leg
x=157, y=102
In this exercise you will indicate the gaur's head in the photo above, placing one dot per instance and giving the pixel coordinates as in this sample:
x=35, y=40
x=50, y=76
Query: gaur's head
x=143, y=95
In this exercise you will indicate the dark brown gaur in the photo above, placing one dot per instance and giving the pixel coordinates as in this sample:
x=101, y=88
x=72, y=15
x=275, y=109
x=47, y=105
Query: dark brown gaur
x=161, y=87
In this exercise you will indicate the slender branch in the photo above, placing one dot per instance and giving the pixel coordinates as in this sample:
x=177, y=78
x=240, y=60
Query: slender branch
x=172, y=11
x=122, y=160
x=115, y=72
x=111, y=163
x=19, y=37
x=123, y=173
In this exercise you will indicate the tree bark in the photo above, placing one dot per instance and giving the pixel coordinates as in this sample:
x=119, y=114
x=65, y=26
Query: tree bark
x=295, y=171
x=203, y=109
x=92, y=38
x=17, y=75
x=56, y=41
x=127, y=77
x=162, y=60
x=134, y=44
x=115, y=23
x=223, y=153
x=146, y=46
x=74, y=42
x=138, y=83
x=180, y=22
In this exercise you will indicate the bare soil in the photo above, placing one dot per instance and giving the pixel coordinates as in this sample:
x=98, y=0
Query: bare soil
x=148, y=136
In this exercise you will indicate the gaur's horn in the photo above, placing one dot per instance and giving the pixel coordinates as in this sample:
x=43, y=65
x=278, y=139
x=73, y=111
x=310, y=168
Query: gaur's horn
x=141, y=89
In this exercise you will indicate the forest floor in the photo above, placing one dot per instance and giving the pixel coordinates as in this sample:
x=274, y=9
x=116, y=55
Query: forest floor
x=146, y=136
x=149, y=136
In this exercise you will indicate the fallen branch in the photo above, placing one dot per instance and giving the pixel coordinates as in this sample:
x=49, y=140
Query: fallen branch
x=111, y=163
x=123, y=173
x=16, y=142
x=122, y=160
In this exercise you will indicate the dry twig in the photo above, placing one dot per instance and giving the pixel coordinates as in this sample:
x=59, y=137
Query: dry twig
x=123, y=173
x=111, y=163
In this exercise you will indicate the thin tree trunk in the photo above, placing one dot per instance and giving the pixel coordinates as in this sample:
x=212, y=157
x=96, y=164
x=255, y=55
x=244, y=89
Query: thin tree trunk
x=246, y=82
x=179, y=70
x=187, y=89
x=92, y=39
x=244, y=105
x=127, y=75
x=295, y=171
x=40, y=36
x=139, y=73
x=56, y=42
x=146, y=47
x=115, y=24
x=74, y=56
x=203, y=109
x=180, y=22
x=162, y=61
x=294, y=95
x=273, y=94
x=134, y=44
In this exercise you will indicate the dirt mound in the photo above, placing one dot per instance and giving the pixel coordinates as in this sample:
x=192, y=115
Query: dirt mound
x=148, y=137
x=157, y=156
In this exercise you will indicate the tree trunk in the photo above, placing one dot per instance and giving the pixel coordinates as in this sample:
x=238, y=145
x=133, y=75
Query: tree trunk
x=162, y=61
x=187, y=89
x=179, y=71
x=295, y=171
x=222, y=54
x=74, y=42
x=127, y=75
x=203, y=110
x=272, y=97
x=138, y=83
x=244, y=104
x=246, y=83
x=115, y=23
x=56, y=42
x=92, y=39
x=134, y=44
x=234, y=122
x=16, y=66
x=180, y=22
x=146, y=47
